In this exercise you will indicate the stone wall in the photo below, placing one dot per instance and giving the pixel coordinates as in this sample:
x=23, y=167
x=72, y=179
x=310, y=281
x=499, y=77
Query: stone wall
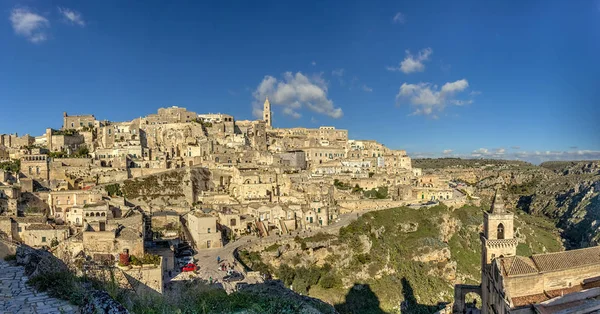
x=358, y=205
x=7, y=247
x=146, y=279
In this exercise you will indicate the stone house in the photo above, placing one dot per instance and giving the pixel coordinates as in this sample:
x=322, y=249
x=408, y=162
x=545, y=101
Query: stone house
x=60, y=202
x=37, y=235
x=204, y=230
x=115, y=235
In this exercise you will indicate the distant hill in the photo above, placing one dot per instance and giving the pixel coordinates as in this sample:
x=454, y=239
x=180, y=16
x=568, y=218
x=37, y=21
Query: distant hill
x=438, y=163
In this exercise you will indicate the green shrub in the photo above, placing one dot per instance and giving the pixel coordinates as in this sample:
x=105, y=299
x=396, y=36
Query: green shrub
x=329, y=281
x=10, y=257
x=286, y=274
x=363, y=258
x=303, y=246
x=12, y=166
x=272, y=248
x=113, y=189
x=63, y=285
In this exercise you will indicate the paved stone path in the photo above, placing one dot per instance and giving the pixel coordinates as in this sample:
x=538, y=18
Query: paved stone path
x=17, y=297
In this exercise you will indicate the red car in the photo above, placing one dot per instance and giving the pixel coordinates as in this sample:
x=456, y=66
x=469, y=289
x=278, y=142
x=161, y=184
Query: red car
x=189, y=267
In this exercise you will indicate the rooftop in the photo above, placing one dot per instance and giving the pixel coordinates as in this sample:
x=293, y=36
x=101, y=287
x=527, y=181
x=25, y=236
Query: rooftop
x=567, y=259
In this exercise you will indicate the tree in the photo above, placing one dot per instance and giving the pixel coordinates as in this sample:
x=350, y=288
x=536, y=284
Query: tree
x=286, y=274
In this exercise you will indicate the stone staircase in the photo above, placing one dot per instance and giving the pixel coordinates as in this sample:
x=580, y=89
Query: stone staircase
x=17, y=297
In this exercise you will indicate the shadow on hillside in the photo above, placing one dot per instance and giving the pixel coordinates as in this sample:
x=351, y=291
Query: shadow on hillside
x=410, y=304
x=361, y=299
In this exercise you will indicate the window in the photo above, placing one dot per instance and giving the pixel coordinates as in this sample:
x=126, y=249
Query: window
x=319, y=210
x=43, y=239
x=20, y=229
x=208, y=230
x=500, y=231
x=72, y=124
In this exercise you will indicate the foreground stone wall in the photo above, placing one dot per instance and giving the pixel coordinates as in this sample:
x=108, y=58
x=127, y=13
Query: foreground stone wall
x=39, y=262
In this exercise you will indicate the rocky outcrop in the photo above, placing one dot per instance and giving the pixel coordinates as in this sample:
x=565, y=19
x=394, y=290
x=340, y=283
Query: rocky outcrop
x=408, y=227
x=441, y=255
x=38, y=262
x=102, y=302
x=448, y=227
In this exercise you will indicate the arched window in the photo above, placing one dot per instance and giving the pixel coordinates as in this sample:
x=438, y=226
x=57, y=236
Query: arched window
x=102, y=214
x=97, y=214
x=500, y=231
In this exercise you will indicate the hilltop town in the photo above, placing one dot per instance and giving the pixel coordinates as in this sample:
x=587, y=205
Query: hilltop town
x=175, y=197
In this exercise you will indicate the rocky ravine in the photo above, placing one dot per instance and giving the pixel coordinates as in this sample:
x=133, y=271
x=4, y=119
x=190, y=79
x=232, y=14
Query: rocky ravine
x=566, y=192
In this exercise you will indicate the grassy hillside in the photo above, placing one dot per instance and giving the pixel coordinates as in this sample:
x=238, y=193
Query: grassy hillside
x=400, y=258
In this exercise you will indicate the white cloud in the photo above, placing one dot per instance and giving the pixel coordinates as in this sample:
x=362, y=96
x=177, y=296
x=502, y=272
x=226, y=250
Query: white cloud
x=366, y=88
x=447, y=151
x=314, y=63
x=294, y=92
x=399, y=18
x=338, y=72
x=71, y=16
x=29, y=25
x=412, y=63
x=428, y=99
x=290, y=112
x=534, y=157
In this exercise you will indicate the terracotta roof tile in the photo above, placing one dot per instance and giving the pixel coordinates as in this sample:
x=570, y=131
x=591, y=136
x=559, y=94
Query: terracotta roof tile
x=518, y=265
x=567, y=259
x=529, y=299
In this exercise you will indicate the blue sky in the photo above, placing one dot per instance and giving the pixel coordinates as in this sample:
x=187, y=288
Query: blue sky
x=437, y=78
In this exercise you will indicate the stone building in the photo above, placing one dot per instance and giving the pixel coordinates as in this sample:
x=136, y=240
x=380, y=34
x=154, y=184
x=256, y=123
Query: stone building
x=115, y=235
x=560, y=282
x=294, y=159
x=16, y=141
x=203, y=229
x=61, y=203
x=267, y=115
x=35, y=167
x=78, y=122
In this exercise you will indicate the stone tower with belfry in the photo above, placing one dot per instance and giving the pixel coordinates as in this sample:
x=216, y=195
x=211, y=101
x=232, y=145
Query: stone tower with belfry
x=497, y=240
x=267, y=112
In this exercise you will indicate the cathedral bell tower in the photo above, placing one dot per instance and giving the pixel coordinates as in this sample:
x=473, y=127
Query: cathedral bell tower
x=267, y=112
x=497, y=240
x=498, y=232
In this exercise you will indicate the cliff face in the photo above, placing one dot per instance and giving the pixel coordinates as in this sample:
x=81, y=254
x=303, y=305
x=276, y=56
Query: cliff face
x=572, y=199
x=177, y=188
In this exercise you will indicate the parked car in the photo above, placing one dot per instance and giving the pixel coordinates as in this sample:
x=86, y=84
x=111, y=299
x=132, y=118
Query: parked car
x=233, y=277
x=189, y=267
x=185, y=253
x=185, y=260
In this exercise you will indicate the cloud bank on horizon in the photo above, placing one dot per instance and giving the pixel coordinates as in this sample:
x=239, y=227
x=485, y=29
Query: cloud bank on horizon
x=534, y=157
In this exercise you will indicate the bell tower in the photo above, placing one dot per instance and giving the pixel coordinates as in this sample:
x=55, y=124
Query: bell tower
x=267, y=112
x=498, y=232
x=497, y=240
